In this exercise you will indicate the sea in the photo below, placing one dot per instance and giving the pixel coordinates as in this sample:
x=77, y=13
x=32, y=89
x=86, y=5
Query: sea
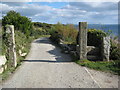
x=113, y=28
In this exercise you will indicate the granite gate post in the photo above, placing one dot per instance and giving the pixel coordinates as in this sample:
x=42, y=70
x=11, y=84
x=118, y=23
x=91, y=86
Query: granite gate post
x=82, y=39
x=106, y=48
x=11, y=45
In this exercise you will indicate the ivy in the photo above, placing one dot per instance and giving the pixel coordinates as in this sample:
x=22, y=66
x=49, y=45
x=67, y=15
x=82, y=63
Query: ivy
x=95, y=37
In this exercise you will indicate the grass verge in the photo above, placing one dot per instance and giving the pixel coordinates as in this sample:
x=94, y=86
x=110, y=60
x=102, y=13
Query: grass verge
x=112, y=66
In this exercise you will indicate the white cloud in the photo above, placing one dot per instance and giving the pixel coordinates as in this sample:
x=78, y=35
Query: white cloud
x=104, y=12
x=60, y=0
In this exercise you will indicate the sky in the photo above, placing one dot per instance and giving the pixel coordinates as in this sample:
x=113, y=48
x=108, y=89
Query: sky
x=65, y=12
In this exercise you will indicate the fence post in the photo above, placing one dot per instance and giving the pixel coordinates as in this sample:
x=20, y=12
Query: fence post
x=82, y=38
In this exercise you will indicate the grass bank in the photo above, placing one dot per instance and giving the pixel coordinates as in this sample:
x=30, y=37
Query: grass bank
x=112, y=66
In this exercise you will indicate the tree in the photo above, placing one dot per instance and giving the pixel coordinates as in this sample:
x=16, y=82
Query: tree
x=21, y=23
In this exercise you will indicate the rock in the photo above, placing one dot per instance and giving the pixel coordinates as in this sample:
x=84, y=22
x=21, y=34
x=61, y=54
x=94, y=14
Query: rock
x=3, y=60
x=22, y=54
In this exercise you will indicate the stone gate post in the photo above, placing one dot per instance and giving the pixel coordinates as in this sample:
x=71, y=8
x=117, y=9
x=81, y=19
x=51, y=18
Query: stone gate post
x=82, y=39
x=11, y=45
x=106, y=48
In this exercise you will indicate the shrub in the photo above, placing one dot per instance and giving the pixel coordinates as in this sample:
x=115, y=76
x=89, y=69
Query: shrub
x=65, y=32
x=115, y=50
x=55, y=36
x=95, y=37
x=20, y=22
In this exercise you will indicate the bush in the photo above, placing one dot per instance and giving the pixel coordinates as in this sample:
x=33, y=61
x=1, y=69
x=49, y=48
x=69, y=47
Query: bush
x=55, y=36
x=115, y=50
x=20, y=22
x=95, y=37
x=65, y=32
x=45, y=28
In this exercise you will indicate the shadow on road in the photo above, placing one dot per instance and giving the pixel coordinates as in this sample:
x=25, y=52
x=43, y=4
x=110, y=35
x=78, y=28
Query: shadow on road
x=46, y=61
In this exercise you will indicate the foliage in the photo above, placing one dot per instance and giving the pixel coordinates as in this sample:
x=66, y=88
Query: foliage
x=43, y=25
x=0, y=21
x=112, y=66
x=42, y=28
x=95, y=37
x=37, y=31
x=115, y=49
x=22, y=43
x=66, y=33
x=55, y=36
x=20, y=22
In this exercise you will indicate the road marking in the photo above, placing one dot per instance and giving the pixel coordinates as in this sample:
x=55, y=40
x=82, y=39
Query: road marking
x=92, y=76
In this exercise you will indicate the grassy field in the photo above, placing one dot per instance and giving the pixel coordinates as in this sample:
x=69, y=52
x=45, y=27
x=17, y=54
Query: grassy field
x=112, y=66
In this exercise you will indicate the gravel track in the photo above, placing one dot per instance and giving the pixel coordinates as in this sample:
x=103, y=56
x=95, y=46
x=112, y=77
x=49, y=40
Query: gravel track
x=47, y=67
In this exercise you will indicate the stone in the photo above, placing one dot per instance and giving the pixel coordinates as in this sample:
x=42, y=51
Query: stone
x=82, y=39
x=23, y=54
x=106, y=48
x=12, y=48
x=3, y=61
x=92, y=50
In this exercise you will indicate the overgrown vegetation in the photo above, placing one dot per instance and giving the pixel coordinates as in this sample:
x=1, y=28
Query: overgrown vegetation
x=66, y=33
x=95, y=37
x=41, y=29
x=115, y=49
x=112, y=66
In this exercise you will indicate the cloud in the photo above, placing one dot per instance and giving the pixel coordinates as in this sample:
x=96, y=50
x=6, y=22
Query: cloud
x=24, y=9
x=95, y=6
x=13, y=3
x=96, y=11
x=60, y=0
x=32, y=9
x=73, y=12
